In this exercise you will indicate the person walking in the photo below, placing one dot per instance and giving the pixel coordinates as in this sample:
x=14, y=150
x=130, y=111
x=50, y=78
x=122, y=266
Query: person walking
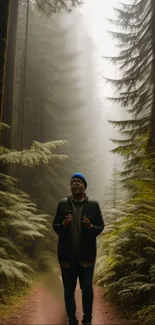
x=78, y=221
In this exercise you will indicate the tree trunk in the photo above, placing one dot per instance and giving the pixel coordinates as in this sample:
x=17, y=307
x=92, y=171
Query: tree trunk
x=151, y=141
x=4, y=15
x=8, y=102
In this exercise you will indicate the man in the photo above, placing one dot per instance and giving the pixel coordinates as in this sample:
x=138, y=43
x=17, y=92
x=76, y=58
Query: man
x=78, y=221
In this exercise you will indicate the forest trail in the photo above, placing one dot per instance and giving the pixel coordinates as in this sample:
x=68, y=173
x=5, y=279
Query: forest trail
x=45, y=306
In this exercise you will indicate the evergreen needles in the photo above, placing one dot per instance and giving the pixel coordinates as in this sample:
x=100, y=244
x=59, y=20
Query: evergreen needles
x=25, y=232
x=125, y=265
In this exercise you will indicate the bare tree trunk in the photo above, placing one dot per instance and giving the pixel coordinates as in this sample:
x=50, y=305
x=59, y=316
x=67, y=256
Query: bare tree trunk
x=151, y=141
x=4, y=15
x=25, y=70
x=8, y=102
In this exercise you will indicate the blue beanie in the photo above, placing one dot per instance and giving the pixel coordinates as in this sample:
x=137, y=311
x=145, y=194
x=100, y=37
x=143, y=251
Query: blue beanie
x=81, y=176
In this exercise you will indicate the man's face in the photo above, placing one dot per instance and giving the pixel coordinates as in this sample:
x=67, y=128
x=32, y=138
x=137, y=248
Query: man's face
x=77, y=186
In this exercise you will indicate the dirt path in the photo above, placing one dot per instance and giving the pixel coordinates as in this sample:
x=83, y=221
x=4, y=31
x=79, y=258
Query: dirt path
x=47, y=307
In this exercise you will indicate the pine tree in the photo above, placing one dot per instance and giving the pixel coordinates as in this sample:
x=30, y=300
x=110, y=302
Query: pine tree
x=136, y=65
x=52, y=6
x=125, y=264
x=58, y=104
x=114, y=192
x=126, y=268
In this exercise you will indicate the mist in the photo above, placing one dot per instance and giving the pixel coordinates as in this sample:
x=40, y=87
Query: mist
x=62, y=93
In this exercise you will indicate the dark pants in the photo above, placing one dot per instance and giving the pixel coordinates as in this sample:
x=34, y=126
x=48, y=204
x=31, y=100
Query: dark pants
x=69, y=278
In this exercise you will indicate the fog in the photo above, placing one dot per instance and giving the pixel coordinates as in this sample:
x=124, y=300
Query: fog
x=64, y=93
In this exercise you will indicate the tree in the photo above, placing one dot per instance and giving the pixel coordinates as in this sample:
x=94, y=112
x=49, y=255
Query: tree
x=125, y=264
x=8, y=28
x=4, y=14
x=52, y=7
x=8, y=101
x=58, y=99
x=114, y=191
x=129, y=244
x=136, y=65
x=151, y=141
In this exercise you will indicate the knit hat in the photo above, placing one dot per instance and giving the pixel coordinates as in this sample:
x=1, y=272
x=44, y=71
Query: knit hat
x=80, y=176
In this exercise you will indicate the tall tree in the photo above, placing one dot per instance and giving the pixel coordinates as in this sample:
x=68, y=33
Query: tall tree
x=58, y=102
x=54, y=6
x=151, y=142
x=136, y=64
x=4, y=16
x=10, y=72
x=130, y=243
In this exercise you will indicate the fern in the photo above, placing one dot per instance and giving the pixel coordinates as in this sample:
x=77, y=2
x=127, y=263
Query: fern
x=38, y=153
x=22, y=226
x=3, y=252
x=9, y=246
x=14, y=269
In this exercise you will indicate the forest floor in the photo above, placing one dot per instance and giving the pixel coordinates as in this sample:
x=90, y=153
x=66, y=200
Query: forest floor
x=45, y=305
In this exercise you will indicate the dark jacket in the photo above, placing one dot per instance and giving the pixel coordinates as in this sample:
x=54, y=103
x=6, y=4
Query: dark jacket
x=87, y=251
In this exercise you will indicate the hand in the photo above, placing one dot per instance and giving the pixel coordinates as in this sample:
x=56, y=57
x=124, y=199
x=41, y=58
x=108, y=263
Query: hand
x=67, y=220
x=87, y=223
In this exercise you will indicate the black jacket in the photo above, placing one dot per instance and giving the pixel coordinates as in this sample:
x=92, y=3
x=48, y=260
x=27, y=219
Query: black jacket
x=87, y=251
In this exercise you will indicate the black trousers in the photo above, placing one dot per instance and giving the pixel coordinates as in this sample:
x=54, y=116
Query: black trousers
x=69, y=279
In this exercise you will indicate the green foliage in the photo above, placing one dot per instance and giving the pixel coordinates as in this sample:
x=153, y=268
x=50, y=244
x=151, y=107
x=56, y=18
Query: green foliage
x=20, y=226
x=125, y=265
x=135, y=63
x=13, y=269
x=37, y=154
x=25, y=232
